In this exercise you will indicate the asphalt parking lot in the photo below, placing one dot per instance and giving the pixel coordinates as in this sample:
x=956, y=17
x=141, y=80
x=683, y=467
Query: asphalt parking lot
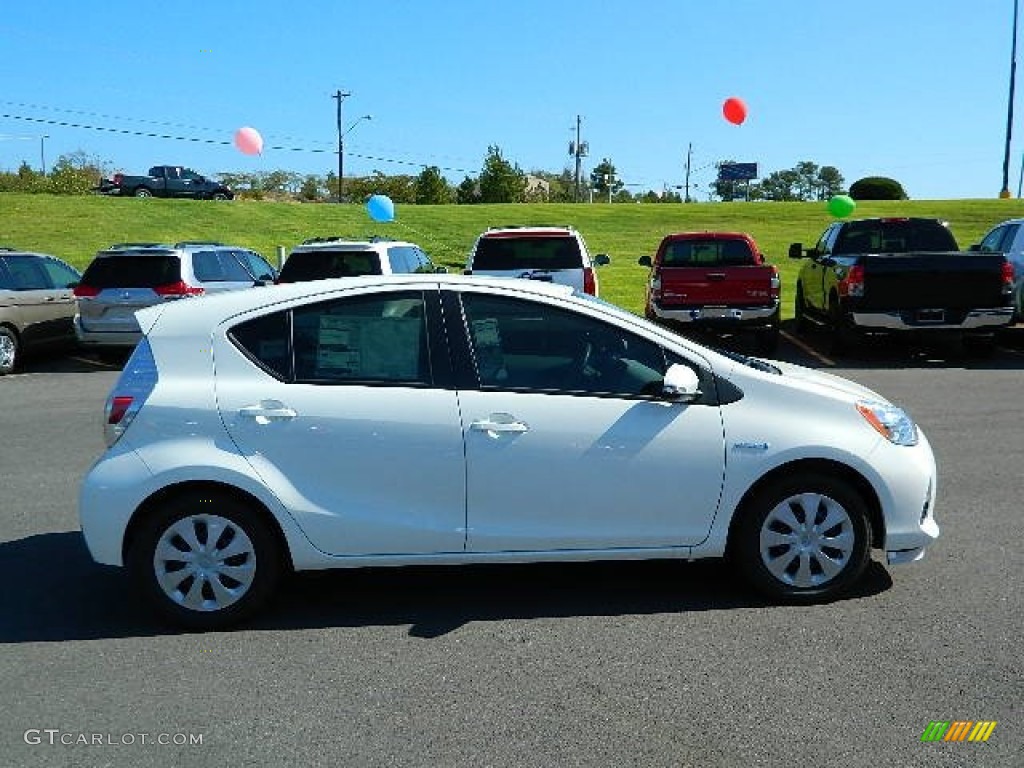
x=648, y=664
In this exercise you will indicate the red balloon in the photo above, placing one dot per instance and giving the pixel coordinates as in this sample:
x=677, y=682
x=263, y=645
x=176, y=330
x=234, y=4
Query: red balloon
x=735, y=110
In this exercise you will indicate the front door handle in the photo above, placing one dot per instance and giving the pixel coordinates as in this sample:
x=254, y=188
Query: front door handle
x=498, y=423
x=266, y=411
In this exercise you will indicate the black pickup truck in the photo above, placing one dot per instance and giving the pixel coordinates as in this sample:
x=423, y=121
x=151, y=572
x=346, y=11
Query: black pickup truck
x=166, y=181
x=901, y=275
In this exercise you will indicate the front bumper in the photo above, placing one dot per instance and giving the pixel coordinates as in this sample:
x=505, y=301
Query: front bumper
x=908, y=500
x=907, y=320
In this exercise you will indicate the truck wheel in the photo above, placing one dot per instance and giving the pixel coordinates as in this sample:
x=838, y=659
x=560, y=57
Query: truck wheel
x=218, y=196
x=800, y=310
x=844, y=337
x=143, y=192
x=803, y=538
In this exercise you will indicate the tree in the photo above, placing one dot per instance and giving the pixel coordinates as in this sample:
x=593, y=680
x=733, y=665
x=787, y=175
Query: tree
x=728, y=190
x=500, y=181
x=76, y=173
x=432, y=188
x=604, y=179
x=781, y=186
x=312, y=189
x=807, y=185
x=467, y=192
x=877, y=188
x=830, y=182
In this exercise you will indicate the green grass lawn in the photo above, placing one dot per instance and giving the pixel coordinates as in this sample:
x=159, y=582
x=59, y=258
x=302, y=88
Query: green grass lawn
x=74, y=228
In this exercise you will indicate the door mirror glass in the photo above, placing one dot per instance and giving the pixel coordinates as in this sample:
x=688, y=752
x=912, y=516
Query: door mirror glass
x=681, y=383
x=796, y=250
x=644, y=261
x=602, y=259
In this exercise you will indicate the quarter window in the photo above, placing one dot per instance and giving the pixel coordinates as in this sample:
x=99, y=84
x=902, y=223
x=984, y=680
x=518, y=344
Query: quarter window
x=61, y=275
x=524, y=345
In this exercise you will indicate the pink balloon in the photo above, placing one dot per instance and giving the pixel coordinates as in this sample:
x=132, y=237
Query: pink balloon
x=249, y=141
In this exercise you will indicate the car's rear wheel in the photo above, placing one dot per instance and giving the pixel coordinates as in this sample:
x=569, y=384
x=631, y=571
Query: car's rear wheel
x=143, y=192
x=844, y=336
x=8, y=350
x=218, y=196
x=804, y=538
x=205, y=560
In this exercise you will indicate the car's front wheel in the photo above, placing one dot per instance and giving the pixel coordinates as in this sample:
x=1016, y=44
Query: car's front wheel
x=8, y=350
x=205, y=560
x=804, y=538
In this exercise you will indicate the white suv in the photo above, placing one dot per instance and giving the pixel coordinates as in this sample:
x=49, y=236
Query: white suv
x=320, y=258
x=548, y=254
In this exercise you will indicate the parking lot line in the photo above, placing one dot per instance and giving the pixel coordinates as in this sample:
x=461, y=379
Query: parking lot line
x=808, y=349
x=87, y=361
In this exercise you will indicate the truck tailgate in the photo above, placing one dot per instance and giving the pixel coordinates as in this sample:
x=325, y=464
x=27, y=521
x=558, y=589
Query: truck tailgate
x=932, y=280
x=716, y=286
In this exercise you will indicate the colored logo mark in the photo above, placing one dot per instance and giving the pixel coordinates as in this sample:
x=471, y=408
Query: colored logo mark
x=958, y=730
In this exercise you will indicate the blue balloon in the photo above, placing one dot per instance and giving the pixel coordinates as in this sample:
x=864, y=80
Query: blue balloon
x=380, y=208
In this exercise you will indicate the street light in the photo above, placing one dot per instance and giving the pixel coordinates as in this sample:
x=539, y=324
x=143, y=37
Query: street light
x=341, y=150
x=1005, y=191
x=42, y=151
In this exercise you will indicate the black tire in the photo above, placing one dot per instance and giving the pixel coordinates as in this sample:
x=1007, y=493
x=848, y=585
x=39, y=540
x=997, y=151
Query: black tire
x=780, y=570
x=800, y=310
x=844, y=337
x=10, y=350
x=766, y=341
x=218, y=196
x=142, y=192
x=237, y=527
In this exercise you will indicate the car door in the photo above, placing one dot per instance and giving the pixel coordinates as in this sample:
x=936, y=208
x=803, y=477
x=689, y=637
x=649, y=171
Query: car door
x=814, y=276
x=344, y=408
x=568, y=446
x=31, y=299
x=61, y=302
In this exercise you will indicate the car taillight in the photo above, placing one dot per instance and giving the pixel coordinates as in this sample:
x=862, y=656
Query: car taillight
x=589, y=281
x=1007, y=277
x=853, y=283
x=178, y=289
x=118, y=178
x=776, y=284
x=655, y=285
x=133, y=387
x=86, y=291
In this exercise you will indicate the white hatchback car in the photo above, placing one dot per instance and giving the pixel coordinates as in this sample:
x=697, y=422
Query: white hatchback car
x=443, y=419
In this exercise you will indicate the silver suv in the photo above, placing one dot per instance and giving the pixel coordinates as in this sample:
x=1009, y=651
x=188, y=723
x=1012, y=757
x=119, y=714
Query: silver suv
x=321, y=258
x=548, y=254
x=128, y=277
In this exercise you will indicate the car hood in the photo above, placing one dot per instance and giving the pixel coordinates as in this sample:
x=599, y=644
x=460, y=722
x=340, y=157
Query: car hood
x=824, y=383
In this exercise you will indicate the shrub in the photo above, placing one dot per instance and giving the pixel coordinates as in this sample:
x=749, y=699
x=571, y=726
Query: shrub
x=877, y=188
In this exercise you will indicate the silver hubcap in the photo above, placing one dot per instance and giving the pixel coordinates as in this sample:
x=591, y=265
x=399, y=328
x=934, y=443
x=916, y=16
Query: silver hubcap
x=205, y=562
x=807, y=540
x=7, y=351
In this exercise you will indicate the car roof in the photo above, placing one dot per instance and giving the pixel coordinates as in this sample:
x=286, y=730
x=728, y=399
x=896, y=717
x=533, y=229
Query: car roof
x=199, y=315
x=540, y=231
x=8, y=253
x=163, y=250
x=339, y=243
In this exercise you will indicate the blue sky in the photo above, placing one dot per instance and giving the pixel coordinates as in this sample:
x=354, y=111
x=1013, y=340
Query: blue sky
x=912, y=89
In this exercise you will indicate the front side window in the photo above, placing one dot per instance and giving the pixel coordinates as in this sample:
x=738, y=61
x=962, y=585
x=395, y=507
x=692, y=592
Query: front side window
x=525, y=345
x=61, y=275
x=365, y=339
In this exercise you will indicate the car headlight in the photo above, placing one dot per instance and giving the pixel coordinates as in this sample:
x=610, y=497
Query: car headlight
x=890, y=422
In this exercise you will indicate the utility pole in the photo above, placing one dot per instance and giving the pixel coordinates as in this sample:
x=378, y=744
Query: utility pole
x=579, y=150
x=340, y=96
x=42, y=151
x=689, y=155
x=1005, y=192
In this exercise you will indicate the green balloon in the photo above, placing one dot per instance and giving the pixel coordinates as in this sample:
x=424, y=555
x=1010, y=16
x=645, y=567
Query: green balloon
x=841, y=206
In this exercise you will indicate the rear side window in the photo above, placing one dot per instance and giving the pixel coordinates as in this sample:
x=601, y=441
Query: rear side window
x=322, y=264
x=61, y=275
x=707, y=253
x=527, y=252
x=26, y=273
x=219, y=267
x=132, y=271
x=257, y=265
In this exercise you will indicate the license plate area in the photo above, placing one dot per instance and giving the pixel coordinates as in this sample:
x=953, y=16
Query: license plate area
x=931, y=315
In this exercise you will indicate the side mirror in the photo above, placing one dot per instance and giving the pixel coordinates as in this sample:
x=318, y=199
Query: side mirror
x=441, y=270
x=796, y=250
x=974, y=247
x=602, y=260
x=644, y=261
x=680, y=384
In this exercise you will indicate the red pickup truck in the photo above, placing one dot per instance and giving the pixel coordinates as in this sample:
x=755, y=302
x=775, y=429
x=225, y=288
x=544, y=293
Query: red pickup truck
x=714, y=280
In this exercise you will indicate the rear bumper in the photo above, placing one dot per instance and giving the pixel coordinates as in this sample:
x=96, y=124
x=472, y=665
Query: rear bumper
x=105, y=338
x=717, y=317
x=904, y=320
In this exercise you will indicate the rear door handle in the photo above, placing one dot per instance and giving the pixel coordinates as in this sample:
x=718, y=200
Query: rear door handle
x=267, y=411
x=498, y=423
